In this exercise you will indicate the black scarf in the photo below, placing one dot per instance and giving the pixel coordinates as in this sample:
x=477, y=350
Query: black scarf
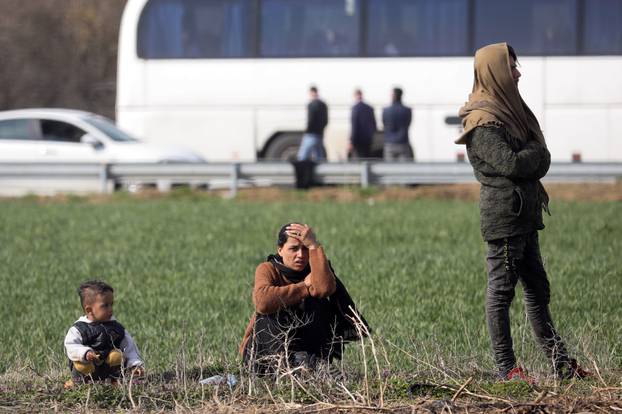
x=343, y=306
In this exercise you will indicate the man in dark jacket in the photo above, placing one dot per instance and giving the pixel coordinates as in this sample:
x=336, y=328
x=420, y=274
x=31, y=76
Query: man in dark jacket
x=396, y=119
x=363, y=127
x=312, y=146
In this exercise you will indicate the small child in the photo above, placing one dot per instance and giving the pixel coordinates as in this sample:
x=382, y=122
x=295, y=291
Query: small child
x=97, y=345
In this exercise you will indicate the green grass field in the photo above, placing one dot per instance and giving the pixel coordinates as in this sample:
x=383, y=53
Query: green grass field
x=183, y=267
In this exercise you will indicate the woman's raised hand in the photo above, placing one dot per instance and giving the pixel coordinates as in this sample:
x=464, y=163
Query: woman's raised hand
x=303, y=233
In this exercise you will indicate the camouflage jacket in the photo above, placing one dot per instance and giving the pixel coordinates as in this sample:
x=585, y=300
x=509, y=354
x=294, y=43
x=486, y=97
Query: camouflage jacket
x=511, y=195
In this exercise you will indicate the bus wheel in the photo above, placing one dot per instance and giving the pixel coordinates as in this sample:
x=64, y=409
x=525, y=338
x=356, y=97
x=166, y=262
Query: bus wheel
x=284, y=147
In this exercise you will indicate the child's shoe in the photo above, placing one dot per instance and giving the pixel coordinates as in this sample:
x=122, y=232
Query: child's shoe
x=84, y=368
x=114, y=358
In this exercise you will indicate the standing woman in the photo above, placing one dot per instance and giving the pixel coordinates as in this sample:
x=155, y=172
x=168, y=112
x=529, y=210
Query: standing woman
x=303, y=313
x=508, y=154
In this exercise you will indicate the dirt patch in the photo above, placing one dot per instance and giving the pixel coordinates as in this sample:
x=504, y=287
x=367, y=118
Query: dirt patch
x=559, y=404
x=464, y=192
x=588, y=192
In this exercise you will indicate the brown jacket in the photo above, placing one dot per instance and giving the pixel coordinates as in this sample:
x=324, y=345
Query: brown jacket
x=272, y=291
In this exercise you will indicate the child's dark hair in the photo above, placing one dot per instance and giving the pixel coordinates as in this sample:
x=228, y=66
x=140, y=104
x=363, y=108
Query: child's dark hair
x=91, y=288
x=282, y=237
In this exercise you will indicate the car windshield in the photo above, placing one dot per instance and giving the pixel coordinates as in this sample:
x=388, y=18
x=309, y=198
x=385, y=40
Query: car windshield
x=109, y=128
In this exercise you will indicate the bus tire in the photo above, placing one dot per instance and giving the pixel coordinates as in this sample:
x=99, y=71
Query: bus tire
x=284, y=147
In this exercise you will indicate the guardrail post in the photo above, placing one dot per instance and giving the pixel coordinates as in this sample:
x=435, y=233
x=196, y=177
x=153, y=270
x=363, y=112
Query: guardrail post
x=365, y=173
x=235, y=175
x=103, y=178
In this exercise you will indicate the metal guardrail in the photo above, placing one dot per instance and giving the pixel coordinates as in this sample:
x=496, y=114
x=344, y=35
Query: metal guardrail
x=46, y=178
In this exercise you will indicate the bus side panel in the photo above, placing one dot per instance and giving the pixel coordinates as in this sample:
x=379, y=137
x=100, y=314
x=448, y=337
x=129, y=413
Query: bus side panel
x=615, y=132
x=218, y=135
x=584, y=79
x=130, y=69
x=337, y=134
x=583, y=96
x=588, y=131
x=187, y=84
x=430, y=137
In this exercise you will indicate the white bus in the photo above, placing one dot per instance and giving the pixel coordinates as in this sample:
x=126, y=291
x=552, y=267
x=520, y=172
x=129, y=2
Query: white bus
x=230, y=78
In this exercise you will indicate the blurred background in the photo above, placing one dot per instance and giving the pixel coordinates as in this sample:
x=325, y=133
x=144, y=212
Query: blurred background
x=59, y=53
x=229, y=79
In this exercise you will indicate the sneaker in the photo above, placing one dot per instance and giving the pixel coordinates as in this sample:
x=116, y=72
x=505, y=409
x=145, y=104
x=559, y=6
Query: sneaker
x=573, y=370
x=519, y=374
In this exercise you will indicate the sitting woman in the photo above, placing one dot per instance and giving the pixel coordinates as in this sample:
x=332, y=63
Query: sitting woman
x=303, y=313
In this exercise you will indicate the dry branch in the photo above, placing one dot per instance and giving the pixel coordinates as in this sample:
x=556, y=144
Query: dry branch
x=462, y=387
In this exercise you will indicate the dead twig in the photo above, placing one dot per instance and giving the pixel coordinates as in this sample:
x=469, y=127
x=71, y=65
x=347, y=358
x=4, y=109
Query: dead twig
x=347, y=391
x=540, y=397
x=88, y=397
x=269, y=393
x=363, y=332
x=305, y=390
x=599, y=408
x=606, y=389
x=338, y=407
x=488, y=397
x=129, y=391
x=598, y=373
x=462, y=387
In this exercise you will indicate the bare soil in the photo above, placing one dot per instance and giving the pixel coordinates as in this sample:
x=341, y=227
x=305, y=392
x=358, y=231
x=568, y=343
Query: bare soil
x=592, y=192
x=585, y=192
x=596, y=403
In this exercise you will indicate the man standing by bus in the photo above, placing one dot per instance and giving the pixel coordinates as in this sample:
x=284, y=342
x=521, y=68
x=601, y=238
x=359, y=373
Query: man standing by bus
x=396, y=119
x=311, y=146
x=363, y=127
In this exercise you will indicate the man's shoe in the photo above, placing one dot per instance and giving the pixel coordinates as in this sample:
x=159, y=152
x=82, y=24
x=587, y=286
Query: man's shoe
x=519, y=374
x=572, y=369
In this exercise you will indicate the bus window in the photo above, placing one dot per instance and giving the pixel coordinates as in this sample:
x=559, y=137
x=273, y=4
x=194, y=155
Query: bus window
x=603, y=27
x=532, y=27
x=303, y=28
x=178, y=29
x=417, y=28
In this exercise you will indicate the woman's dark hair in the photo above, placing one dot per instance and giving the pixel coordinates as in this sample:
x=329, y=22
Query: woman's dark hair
x=282, y=237
x=512, y=52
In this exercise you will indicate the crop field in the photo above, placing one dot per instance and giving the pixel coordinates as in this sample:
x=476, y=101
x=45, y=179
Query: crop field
x=182, y=267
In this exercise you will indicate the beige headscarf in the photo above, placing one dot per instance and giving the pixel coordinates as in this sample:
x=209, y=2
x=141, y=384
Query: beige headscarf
x=495, y=99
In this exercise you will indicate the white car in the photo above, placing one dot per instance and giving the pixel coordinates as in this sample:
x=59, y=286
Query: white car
x=63, y=135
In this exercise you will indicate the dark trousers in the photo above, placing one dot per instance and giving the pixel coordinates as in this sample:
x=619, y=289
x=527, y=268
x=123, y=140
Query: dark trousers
x=510, y=260
x=303, y=333
x=361, y=150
